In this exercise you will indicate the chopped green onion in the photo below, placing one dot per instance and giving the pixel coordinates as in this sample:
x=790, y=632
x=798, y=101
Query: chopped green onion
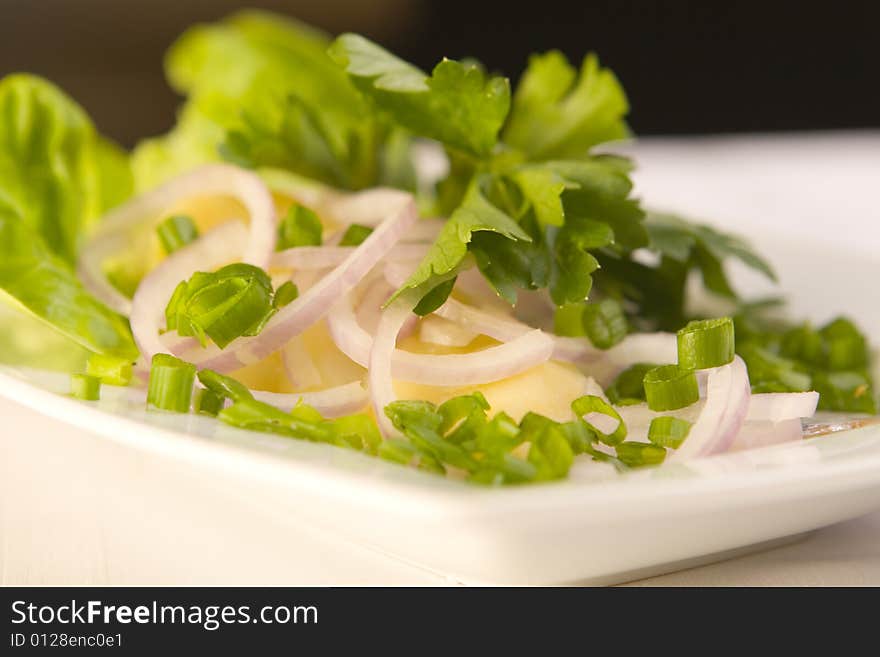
x=604, y=323
x=300, y=227
x=171, y=383
x=670, y=387
x=85, y=386
x=224, y=386
x=397, y=451
x=354, y=235
x=637, y=455
x=846, y=347
x=592, y=404
x=551, y=455
x=668, y=431
x=208, y=402
x=176, y=231
x=498, y=436
x=358, y=431
x=706, y=343
x=463, y=416
x=628, y=388
x=235, y=300
x=258, y=416
x=286, y=293
x=569, y=320
x=109, y=369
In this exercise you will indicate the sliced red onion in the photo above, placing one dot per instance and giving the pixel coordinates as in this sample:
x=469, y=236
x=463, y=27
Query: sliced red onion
x=311, y=306
x=367, y=208
x=324, y=257
x=719, y=422
x=214, y=249
x=332, y=402
x=485, y=366
x=762, y=433
x=116, y=228
x=779, y=406
x=380, y=359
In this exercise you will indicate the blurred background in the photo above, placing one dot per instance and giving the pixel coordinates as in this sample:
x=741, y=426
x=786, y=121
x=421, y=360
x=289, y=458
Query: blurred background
x=752, y=65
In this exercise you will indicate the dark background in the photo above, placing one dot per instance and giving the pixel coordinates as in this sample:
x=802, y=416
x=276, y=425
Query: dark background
x=687, y=66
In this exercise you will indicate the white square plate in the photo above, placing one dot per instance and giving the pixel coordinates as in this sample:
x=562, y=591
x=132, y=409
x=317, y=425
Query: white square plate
x=104, y=492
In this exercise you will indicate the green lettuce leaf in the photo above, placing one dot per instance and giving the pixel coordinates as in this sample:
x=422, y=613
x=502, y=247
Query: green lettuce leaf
x=57, y=176
x=262, y=92
x=458, y=105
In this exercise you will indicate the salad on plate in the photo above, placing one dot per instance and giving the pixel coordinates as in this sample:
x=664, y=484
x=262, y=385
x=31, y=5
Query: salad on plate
x=438, y=269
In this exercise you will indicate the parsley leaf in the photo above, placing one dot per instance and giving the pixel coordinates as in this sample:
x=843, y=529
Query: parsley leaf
x=457, y=105
x=560, y=113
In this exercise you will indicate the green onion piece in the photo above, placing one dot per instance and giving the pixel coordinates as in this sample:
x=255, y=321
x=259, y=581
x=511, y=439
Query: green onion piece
x=668, y=431
x=628, y=388
x=706, y=343
x=358, y=431
x=569, y=320
x=397, y=451
x=300, y=227
x=286, y=293
x=85, y=386
x=224, y=386
x=176, y=231
x=604, y=323
x=589, y=404
x=207, y=401
x=463, y=416
x=354, y=235
x=235, y=300
x=498, y=436
x=551, y=455
x=171, y=383
x=109, y=369
x=258, y=416
x=637, y=455
x=669, y=387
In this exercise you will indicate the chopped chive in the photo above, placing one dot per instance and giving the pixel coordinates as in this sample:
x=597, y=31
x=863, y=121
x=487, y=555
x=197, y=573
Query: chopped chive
x=286, y=293
x=176, y=231
x=354, y=235
x=601, y=417
x=85, y=386
x=628, y=387
x=670, y=387
x=637, y=455
x=224, y=386
x=668, y=431
x=109, y=369
x=208, y=402
x=171, y=383
x=706, y=343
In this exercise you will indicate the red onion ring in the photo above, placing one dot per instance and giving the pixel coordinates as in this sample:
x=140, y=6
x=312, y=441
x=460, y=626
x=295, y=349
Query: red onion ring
x=719, y=422
x=779, y=406
x=324, y=257
x=220, y=179
x=762, y=433
x=486, y=366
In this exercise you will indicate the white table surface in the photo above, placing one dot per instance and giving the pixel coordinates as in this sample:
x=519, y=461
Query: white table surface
x=844, y=555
